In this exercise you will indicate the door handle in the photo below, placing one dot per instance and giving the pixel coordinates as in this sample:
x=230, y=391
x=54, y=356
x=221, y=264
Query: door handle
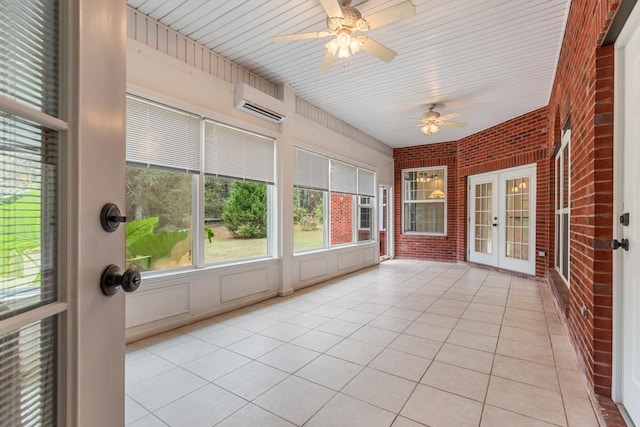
x=112, y=279
x=623, y=243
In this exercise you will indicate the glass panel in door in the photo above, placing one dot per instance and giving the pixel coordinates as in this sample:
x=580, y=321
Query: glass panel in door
x=517, y=216
x=483, y=219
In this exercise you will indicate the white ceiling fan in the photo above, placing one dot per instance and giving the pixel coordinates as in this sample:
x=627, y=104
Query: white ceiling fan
x=344, y=21
x=432, y=121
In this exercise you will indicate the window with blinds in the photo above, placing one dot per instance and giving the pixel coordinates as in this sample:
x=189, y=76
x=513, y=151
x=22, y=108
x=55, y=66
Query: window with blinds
x=169, y=153
x=235, y=153
x=28, y=210
x=158, y=135
x=333, y=202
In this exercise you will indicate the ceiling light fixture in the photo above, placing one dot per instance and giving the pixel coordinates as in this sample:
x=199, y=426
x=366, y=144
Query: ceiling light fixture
x=430, y=129
x=344, y=45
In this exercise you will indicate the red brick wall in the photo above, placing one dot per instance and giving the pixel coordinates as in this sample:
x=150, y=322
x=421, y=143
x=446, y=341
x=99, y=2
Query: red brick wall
x=441, y=248
x=583, y=90
x=341, y=215
x=516, y=142
x=382, y=236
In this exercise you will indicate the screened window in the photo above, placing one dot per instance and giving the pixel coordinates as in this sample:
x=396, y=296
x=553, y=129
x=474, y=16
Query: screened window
x=424, y=194
x=562, y=206
x=333, y=202
x=184, y=169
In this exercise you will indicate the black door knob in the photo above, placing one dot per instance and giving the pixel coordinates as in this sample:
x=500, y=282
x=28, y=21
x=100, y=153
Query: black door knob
x=112, y=279
x=623, y=243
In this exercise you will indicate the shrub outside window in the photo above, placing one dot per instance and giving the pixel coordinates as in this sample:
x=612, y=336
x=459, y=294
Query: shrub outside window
x=424, y=196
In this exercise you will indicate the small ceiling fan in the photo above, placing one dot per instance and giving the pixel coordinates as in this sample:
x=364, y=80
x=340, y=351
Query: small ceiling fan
x=432, y=120
x=344, y=21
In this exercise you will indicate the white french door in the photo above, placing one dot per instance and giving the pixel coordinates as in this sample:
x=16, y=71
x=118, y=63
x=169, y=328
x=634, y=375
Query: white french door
x=627, y=214
x=502, y=219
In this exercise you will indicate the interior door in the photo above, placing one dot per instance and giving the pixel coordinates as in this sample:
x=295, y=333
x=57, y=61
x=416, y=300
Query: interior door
x=483, y=227
x=61, y=158
x=628, y=229
x=502, y=219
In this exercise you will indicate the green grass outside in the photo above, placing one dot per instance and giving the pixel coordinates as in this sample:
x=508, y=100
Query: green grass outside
x=224, y=247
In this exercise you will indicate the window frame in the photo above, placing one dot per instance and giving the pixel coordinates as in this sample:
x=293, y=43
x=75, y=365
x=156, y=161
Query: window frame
x=198, y=191
x=355, y=195
x=560, y=211
x=406, y=202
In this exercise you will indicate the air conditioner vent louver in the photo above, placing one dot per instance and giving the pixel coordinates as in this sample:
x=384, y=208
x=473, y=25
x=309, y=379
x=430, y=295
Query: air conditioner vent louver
x=261, y=111
x=252, y=101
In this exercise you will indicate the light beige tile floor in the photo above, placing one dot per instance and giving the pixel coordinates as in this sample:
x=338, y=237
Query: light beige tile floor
x=406, y=343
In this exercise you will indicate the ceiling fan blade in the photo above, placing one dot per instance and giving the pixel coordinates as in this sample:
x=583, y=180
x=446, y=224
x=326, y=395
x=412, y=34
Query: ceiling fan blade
x=450, y=116
x=378, y=50
x=454, y=124
x=327, y=62
x=301, y=36
x=332, y=7
x=403, y=10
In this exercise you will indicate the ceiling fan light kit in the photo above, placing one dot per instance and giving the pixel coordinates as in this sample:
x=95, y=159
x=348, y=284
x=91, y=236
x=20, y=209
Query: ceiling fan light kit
x=343, y=21
x=431, y=121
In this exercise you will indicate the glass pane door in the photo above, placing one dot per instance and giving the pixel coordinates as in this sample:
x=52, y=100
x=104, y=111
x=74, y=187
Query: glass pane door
x=501, y=219
x=517, y=213
x=483, y=219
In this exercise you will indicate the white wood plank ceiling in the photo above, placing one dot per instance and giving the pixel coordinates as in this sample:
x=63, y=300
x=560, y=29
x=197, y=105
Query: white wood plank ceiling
x=490, y=60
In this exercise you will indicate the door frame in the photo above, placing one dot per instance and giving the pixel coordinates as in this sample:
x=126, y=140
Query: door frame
x=93, y=165
x=389, y=229
x=631, y=26
x=501, y=176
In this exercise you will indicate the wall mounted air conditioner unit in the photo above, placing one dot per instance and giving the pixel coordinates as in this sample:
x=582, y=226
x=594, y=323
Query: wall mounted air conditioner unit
x=253, y=101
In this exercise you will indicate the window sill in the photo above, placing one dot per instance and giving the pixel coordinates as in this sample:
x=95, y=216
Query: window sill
x=560, y=291
x=152, y=278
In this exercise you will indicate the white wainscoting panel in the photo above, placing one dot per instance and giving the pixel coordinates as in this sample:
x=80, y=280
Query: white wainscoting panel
x=313, y=268
x=156, y=304
x=348, y=260
x=245, y=283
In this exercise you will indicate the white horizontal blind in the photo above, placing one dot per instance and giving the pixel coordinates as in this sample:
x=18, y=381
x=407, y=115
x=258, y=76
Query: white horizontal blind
x=158, y=135
x=29, y=76
x=28, y=375
x=28, y=159
x=29, y=53
x=311, y=170
x=343, y=178
x=236, y=153
x=366, y=183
